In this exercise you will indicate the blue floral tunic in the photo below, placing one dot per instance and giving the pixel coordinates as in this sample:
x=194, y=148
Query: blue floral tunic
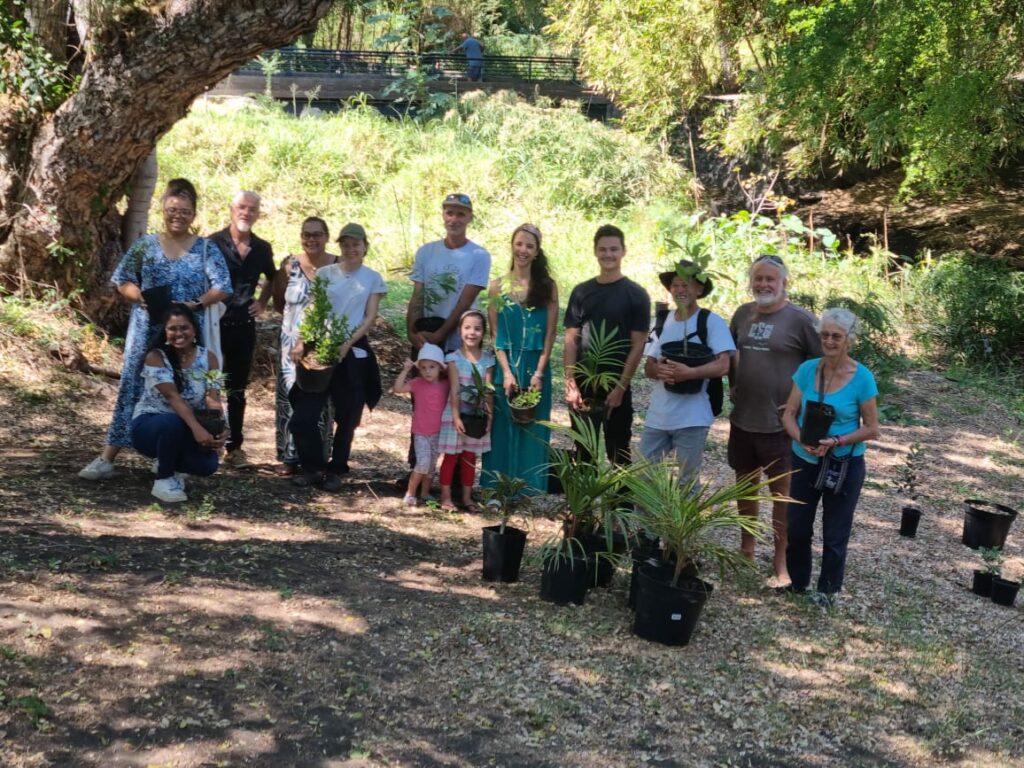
x=189, y=277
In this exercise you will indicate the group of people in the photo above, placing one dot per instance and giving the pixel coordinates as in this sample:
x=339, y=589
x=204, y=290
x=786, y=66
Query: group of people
x=476, y=344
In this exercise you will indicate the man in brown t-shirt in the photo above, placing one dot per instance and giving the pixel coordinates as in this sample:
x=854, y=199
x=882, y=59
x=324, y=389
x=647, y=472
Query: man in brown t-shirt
x=773, y=337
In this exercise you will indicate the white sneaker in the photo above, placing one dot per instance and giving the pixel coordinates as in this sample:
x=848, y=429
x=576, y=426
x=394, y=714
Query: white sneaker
x=97, y=469
x=169, y=489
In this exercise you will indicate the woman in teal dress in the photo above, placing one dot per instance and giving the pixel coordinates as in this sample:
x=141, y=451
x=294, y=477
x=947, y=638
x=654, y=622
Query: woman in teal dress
x=523, y=312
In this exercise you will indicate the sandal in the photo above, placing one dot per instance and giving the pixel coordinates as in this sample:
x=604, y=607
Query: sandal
x=449, y=506
x=471, y=508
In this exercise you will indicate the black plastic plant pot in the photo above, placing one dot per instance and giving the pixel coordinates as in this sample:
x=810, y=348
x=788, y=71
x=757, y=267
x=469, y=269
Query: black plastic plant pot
x=817, y=421
x=503, y=553
x=640, y=557
x=1004, y=591
x=564, y=581
x=211, y=419
x=909, y=519
x=475, y=425
x=313, y=379
x=986, y=524
x=602, y=568
x=667, y=614
x=428, y=324
x=982, y=584
x=692, y=354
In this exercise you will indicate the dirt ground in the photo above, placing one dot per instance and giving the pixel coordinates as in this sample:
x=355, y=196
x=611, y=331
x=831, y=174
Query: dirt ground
x=263, y=625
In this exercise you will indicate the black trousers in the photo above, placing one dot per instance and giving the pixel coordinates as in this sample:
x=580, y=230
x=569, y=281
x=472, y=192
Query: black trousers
x=238, y=343
x=347, y=392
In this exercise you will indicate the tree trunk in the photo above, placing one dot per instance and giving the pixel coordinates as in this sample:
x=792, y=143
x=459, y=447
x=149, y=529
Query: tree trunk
x=62, y=173
x=137, y=216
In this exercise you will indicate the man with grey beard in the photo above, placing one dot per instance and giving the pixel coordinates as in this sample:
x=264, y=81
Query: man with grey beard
x=773, y=337
x=248, y=257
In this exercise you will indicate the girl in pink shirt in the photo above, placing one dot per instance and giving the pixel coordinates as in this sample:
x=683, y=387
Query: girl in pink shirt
x=430, y=395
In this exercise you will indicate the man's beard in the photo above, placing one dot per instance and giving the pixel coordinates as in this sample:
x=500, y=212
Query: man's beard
x=766, y=300
x=243, y=226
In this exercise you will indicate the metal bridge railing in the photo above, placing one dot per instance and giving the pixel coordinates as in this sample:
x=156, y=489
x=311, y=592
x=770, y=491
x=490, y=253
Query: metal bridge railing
x=395, y=64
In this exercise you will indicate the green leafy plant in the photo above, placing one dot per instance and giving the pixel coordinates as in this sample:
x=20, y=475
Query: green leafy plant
x=526, y=398
x=321, y=330
x=475, y=394
x=592, y=488
x=213, y=381
x=599, y=365
x=436, y=290
x=505, y=495
x=991, y=559
x=908, y=475
x=689, y=517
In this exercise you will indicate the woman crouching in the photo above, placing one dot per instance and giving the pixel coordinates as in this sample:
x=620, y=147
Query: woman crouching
x=179, y=378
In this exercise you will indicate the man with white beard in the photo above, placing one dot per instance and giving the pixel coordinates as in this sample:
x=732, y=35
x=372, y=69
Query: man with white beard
x=773, y=337
x=248, y=257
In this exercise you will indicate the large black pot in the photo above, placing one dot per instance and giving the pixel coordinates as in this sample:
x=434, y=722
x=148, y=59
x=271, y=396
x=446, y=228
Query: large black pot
x=503, y=552
x=211, y=419
x=600, y=560
x=564, y=580
x=695, y=354
x=313, y=379
x=475, y=426
x=982, y=584
x=667, y=614
x=986, y=524
x=1004, y=592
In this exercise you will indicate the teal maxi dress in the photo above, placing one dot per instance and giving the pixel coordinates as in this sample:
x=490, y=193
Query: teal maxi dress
x=520, y=450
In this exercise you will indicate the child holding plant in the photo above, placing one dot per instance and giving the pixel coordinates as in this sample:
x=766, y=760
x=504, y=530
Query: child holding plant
x=470, y=403
x=430, y=395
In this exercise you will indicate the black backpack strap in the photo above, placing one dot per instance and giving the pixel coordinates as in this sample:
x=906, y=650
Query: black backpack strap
x=702, y=326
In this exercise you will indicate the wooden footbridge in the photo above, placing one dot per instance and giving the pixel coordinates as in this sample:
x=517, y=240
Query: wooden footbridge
x=321, y=76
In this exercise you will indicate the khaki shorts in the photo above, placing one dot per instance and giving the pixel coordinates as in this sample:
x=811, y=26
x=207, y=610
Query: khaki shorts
x=769, y=452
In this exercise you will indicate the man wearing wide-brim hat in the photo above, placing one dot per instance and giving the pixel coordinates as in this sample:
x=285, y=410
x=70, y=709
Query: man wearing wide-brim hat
x=678, y=421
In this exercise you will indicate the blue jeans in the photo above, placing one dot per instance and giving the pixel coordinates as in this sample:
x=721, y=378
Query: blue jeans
x=688, y=444
x=836, y=523
x=166, y=438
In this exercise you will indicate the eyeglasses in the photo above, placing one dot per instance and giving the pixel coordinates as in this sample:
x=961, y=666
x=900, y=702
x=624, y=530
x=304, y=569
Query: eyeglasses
x=832, y=336
x=770, y=257
x=312, y=235
x=185, y=212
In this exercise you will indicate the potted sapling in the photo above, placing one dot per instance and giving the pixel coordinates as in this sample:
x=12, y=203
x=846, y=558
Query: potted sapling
x=476, y=397
x=991, y=567
x=523, y=405
x=503, y=544
x=322, y=334
x=689, y=518
x=437, y=288
x=1004, y=591
x=908, y=478
x=210, y=419
x=598, y=367
x=592, y=493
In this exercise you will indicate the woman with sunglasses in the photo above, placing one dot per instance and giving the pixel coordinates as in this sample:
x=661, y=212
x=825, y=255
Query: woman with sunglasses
x=173, y=266
x=291, y=295
x=830, y=470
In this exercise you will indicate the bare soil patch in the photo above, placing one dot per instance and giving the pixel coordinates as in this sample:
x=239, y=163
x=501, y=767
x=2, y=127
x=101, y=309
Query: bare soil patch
x=266, y=626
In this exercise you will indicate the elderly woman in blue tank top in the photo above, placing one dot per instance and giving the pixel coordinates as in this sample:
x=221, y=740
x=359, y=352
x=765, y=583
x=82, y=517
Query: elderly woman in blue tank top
x=831, y=470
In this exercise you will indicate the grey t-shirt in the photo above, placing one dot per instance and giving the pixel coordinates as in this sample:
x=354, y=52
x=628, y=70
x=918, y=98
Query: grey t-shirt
x=770, y=347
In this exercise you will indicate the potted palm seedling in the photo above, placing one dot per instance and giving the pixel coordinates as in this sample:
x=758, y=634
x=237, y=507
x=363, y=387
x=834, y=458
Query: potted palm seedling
x=598, y=367
x=688, y=519
x=908, y=478
x=504, y=544
x=592, y=494
x=322, y=333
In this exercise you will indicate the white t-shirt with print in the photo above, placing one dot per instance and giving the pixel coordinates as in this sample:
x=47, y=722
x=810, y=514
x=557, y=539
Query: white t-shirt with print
x=670, y=410
x=349, y=293
x=447, y=271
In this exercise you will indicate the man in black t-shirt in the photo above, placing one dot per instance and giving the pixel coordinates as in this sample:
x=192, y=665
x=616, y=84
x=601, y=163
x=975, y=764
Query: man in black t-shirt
x=622, y=307
x=248, y=257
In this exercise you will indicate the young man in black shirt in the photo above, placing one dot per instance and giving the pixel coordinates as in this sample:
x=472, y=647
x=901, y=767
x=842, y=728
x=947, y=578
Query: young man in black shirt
x=623, y=308
x=248, y=258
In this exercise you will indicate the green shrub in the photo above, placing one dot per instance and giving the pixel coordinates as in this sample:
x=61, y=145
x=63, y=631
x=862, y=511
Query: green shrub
x=969, y=308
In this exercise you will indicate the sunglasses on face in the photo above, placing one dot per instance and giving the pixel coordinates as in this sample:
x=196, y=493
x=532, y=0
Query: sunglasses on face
x=832, y=336
x=770, y=257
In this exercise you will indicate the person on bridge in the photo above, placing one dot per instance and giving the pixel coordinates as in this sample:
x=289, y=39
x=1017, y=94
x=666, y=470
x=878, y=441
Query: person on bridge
x=248, y=257
x=474, y=57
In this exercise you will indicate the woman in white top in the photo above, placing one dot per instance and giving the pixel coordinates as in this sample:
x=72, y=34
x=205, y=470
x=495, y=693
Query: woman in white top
x=179, y=377
x=355, y=291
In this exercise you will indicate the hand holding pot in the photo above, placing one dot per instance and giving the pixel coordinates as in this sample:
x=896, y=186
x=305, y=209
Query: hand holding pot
x=614, y=399
x=457, y=423
x=510, y=384
x=573, y=396
x=297, y=351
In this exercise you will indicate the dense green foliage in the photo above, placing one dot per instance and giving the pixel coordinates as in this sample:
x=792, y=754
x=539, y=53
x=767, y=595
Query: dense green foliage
x=30, y=79
x=932, y=84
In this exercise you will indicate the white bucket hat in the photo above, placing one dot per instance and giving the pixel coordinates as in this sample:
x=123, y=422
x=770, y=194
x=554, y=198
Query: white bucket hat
x=431, y=352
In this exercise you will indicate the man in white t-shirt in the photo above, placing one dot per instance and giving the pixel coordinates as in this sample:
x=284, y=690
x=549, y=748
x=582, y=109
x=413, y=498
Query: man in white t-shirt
x=447, y=276
x=679, y=421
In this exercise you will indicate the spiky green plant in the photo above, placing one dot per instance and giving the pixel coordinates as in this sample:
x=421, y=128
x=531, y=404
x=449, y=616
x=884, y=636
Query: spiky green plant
x=321, y=330
x=688, y=516
x=599, y=365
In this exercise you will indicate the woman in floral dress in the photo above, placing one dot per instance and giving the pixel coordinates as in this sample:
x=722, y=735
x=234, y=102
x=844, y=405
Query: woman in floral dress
x=194, y=271
x=291, y=295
